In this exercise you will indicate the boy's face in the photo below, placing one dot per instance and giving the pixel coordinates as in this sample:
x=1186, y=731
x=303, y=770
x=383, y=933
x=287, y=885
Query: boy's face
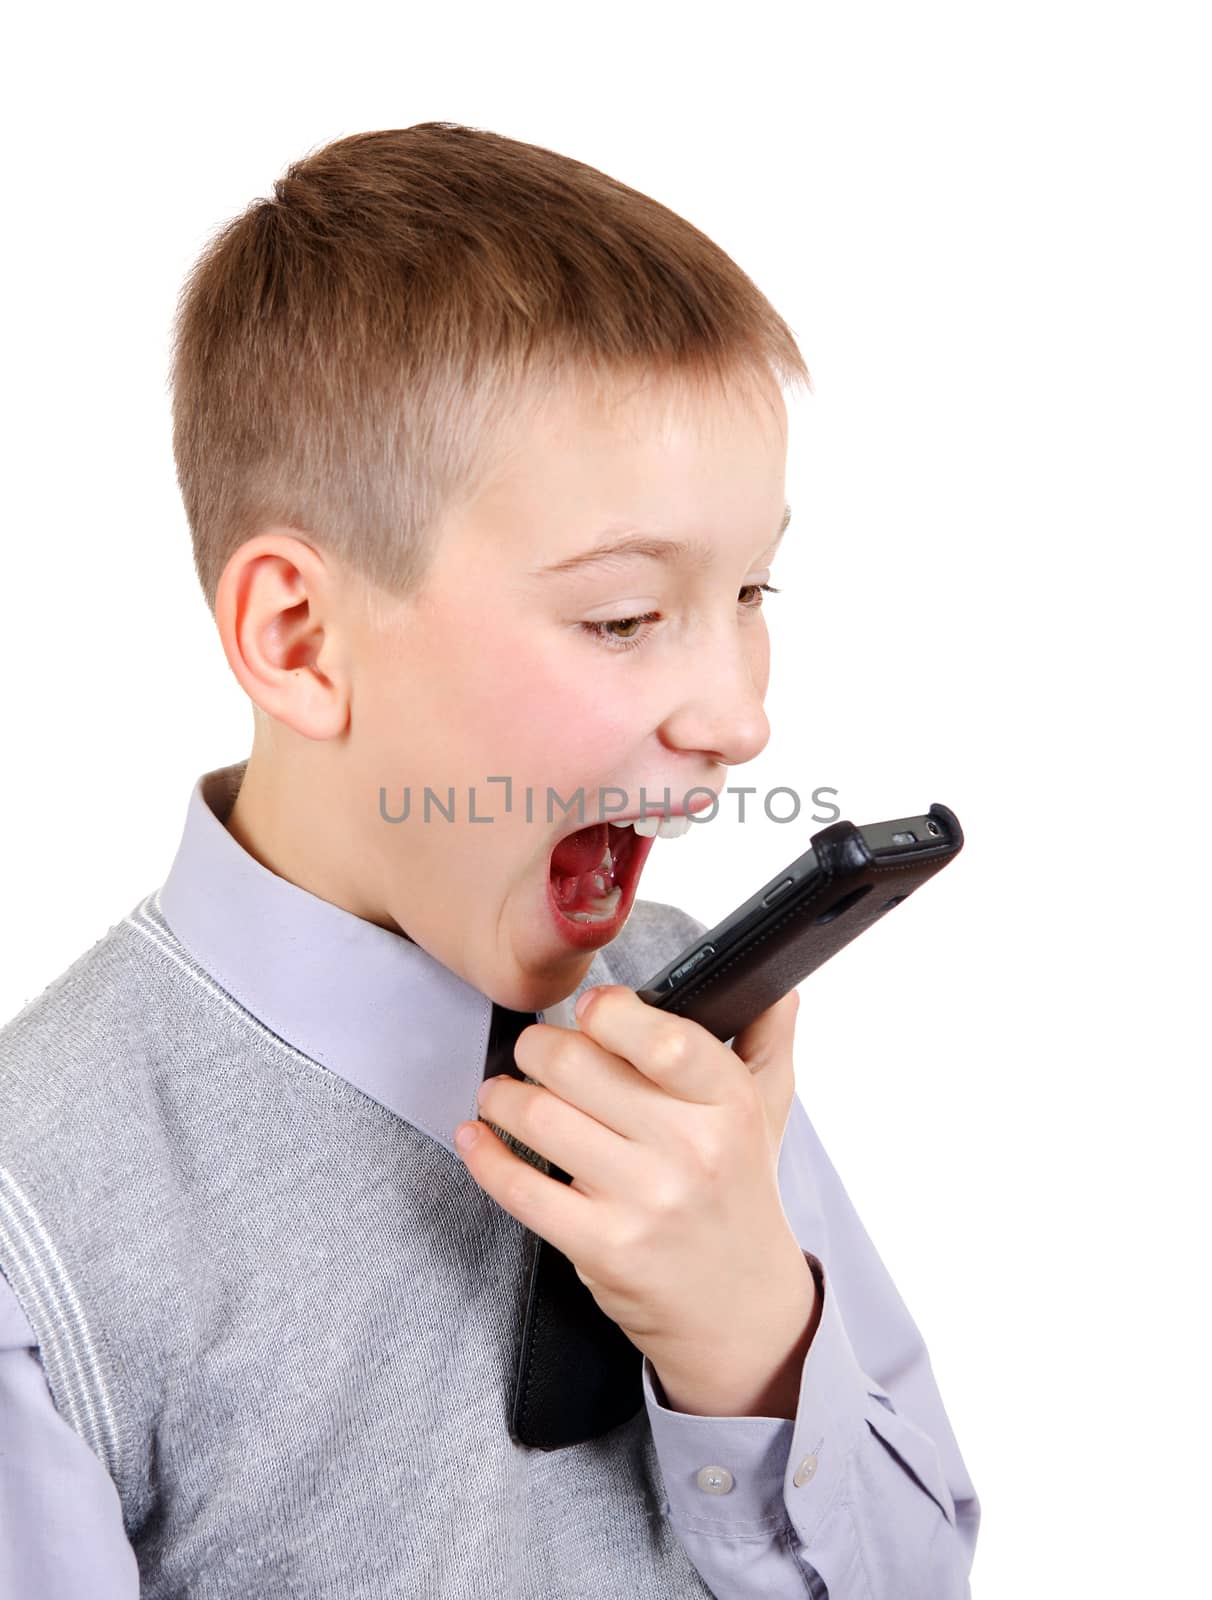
x=490, y=671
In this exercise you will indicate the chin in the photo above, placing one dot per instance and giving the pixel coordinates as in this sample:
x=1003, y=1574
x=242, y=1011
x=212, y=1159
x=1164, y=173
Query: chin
x=537, y=991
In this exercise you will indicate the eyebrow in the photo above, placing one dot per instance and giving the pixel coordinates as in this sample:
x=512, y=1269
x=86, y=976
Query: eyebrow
x=647, y=545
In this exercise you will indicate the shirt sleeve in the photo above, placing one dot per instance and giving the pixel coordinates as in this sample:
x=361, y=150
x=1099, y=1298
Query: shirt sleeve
x=864, y=1494
x=61, y=1528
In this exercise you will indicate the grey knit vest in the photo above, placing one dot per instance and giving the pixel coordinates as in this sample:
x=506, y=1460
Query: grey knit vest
x=284, y=1318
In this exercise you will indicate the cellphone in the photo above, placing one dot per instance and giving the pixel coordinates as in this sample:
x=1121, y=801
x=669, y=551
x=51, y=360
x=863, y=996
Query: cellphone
x=847, y=880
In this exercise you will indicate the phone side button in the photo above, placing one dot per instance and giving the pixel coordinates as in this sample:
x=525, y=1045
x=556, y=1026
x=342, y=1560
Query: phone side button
x=779, y=888
x=688, y=966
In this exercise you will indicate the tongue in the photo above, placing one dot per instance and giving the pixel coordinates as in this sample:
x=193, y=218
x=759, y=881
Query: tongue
x=579, y=852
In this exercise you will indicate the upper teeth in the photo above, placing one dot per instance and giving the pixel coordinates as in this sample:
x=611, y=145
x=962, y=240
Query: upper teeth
x=656, y=827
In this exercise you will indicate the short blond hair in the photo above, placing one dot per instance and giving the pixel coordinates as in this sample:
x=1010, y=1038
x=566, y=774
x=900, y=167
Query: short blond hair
x=348, y=354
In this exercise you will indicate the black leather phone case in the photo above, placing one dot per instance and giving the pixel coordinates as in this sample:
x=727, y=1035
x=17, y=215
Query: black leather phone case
x=577, y=1374
x=852, y=890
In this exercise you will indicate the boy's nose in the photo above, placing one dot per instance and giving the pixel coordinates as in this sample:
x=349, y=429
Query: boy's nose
x=721, y=713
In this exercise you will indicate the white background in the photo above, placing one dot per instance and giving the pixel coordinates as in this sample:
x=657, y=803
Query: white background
x=988, y=229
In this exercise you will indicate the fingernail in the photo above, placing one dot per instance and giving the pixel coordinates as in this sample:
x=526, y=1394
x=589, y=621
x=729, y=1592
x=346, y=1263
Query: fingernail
x=467, y=1136
x=579, y=1008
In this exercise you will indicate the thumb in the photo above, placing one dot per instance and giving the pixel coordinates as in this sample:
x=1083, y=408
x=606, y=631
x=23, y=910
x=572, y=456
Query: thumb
x=766, y=1046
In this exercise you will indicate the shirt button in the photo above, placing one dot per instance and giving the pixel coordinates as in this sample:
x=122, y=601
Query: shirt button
x=714, y=1480
x=804, y=1471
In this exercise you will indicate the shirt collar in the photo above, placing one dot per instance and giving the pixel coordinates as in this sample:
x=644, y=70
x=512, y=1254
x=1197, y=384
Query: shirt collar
x=367, y=1003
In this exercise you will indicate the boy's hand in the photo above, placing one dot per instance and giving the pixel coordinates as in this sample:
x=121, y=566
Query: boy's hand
x=673, y=1219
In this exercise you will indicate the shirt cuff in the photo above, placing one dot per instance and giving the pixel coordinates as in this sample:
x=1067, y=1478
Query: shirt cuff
x=741, y=1475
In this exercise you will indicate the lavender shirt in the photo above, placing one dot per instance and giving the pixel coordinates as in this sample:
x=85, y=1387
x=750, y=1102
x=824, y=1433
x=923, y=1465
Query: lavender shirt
x=347, y=999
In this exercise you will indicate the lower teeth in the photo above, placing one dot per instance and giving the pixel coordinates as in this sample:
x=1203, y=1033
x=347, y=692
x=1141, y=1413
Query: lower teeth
x=602, y=910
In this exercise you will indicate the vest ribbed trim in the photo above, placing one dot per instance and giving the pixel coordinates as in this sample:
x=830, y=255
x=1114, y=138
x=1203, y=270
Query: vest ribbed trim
x=147, y=919
x=41, y=1280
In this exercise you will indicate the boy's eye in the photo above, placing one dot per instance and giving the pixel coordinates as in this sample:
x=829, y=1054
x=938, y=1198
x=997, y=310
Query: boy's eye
x=630, y=640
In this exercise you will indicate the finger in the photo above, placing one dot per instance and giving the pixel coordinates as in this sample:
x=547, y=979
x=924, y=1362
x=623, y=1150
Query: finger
x=595, y=1156
x=555, y=1211
x=767, y=1047
x=769, y=1035
x=678, y=1055
x=595, y=1080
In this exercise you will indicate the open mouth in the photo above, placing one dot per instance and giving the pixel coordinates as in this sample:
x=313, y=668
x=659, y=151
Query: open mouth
x=593, y=874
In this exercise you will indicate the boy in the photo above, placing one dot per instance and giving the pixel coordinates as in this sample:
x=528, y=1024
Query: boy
x=261, y=1310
